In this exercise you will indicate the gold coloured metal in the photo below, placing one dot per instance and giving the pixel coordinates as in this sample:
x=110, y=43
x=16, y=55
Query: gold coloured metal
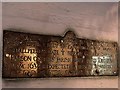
x=34, y=55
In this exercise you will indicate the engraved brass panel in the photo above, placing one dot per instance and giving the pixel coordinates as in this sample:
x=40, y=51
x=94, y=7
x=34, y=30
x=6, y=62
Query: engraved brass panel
x=33, y=55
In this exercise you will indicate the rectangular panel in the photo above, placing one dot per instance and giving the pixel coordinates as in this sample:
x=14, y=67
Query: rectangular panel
x=33, y=55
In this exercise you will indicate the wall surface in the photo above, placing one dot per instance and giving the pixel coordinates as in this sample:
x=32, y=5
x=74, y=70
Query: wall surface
x=89, y=20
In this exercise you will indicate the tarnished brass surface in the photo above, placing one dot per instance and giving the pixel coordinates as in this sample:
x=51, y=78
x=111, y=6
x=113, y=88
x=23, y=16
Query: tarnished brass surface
x=33, y=55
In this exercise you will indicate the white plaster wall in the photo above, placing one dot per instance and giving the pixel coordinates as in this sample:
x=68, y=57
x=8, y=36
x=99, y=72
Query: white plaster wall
x=89, y=20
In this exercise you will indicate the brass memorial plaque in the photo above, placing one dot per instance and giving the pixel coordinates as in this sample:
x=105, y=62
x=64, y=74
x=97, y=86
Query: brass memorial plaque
x=34, y=55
